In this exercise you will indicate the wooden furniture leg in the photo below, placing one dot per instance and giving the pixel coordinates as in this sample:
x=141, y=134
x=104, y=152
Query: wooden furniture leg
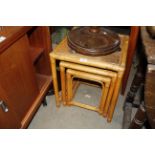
x=127, y=115
x=138, y=79
x=136, y=83
x=139, y=119
x=55, y=82
x=130, y=54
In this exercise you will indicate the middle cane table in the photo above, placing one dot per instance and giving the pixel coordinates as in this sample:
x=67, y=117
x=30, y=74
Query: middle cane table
x=114, y=62
x=95, y=71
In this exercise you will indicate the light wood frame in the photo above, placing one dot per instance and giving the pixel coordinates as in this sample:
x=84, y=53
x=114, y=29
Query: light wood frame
x=92, y=70
x=62, y=52
x=104, y=81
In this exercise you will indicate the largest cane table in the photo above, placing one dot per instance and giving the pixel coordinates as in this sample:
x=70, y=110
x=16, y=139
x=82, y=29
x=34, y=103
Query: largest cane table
x=115, y=62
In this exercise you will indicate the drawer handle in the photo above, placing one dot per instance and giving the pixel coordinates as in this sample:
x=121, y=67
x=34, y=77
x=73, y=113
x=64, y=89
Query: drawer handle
x=4, y=106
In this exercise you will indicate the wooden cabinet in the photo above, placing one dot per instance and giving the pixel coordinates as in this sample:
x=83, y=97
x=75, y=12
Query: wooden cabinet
x=25, y=73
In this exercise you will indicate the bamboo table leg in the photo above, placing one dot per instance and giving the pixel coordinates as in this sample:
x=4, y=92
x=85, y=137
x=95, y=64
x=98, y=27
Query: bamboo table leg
x=110, y=95
x=115, y=97
x=103, y=98
x=69, y=88
x=63, y=85
x=55, y=82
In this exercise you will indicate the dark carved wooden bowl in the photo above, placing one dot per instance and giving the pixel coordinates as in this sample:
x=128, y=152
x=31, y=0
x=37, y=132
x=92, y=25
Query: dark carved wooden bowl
x=94, y=41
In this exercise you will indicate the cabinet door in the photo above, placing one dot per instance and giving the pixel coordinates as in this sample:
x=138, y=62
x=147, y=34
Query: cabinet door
x=17, y=77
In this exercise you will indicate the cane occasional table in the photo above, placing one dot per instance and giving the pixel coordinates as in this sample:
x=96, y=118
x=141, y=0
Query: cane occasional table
x=95, y=71
x=114, y=62
x=104, y=81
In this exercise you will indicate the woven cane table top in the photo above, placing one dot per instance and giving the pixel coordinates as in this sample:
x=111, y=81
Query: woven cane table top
x=115, y=61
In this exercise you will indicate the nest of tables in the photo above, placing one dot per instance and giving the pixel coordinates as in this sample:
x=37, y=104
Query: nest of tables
x=108, y=70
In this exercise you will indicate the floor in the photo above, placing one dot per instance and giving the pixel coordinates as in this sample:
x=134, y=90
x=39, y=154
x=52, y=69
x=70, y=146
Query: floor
x=51, y=117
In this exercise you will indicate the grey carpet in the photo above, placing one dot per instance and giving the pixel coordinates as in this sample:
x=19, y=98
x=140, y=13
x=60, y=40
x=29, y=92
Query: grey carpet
x=73, y=117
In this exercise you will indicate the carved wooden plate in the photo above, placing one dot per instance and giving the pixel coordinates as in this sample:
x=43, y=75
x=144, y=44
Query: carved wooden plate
x=93, y=41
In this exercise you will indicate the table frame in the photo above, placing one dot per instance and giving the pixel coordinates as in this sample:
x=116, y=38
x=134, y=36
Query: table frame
x=87, y=61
